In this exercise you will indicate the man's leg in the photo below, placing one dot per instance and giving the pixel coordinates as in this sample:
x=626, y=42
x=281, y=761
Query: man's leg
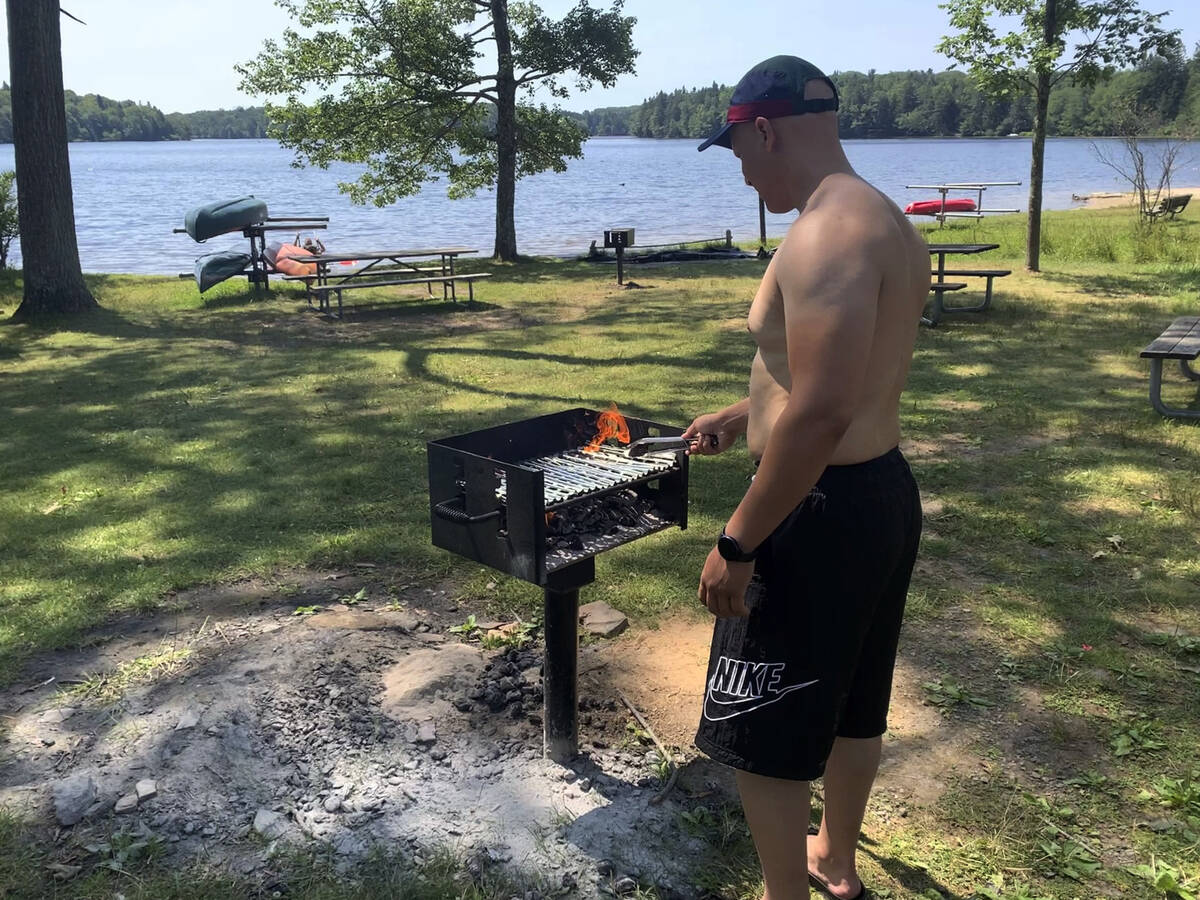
x=849, y=774
x=777, y=811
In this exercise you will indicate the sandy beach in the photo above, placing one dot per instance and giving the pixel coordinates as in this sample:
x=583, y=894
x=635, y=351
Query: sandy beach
x=1109, y=199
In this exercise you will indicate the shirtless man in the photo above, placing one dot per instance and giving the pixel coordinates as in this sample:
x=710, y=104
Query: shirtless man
x=809, y=578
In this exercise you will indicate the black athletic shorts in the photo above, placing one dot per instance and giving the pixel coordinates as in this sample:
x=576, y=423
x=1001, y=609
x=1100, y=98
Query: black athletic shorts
x=814, y=659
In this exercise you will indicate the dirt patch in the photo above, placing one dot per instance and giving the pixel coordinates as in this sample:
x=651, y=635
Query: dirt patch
x=948, y=444
x=371, y=724
x=663, y=673
x=350, y=727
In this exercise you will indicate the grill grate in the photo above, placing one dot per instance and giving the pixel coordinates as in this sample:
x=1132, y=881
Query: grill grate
x=573, y=474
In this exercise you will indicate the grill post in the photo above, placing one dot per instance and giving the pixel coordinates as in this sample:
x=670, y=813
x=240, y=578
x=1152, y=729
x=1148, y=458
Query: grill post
x=559, y=671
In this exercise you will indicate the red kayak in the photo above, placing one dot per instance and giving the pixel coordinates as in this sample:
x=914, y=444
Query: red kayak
x=933, y=207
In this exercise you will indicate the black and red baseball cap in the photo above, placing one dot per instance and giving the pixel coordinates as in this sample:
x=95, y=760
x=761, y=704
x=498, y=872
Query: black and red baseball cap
x=773, y=89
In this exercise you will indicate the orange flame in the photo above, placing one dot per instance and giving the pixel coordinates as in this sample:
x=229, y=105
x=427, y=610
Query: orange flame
x=609, y=424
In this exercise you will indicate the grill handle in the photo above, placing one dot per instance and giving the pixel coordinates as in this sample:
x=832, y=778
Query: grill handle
x=445, y=510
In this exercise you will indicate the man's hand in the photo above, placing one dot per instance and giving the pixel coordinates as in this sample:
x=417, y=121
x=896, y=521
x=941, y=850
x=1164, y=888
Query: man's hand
x=723, y=586
x=704, y=429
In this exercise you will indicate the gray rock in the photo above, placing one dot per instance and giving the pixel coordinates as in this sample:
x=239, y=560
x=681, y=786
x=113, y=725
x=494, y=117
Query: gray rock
x=189, y=720
x=57, y=716
x=270, y=824
x=426, y=734
x=604, y=868
x=625, y=885
x=72, y=798
x=349, y=845
x=332, y=803
x=146, y=789
x=128, y=803
x=601, y=619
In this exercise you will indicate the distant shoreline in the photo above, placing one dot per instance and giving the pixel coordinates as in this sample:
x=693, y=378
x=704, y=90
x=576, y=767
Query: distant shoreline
x=1112, y=199
x=601, y=137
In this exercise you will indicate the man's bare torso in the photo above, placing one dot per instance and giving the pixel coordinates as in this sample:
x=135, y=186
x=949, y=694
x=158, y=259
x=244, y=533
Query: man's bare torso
x=875, y=427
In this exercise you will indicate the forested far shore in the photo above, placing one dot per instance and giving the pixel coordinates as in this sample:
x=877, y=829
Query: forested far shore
x=1161, y=96
x=91, y=117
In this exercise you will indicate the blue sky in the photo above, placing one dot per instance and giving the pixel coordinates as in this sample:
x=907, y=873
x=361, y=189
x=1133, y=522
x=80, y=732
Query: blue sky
x=179, y=56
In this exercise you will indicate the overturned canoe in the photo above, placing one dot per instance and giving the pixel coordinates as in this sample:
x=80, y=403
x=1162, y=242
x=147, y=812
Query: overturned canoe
x=213, y=268
x=224, y=216
x=934, y=207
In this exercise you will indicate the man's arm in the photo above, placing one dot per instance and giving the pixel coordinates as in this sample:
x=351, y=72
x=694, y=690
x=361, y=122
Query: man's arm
x=830, y=286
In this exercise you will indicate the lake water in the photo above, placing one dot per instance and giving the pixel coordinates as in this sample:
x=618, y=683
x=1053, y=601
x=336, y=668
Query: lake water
x=128, y=196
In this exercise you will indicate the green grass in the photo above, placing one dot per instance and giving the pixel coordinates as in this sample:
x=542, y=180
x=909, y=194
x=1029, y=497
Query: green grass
x=139, y=875
x=166, y=442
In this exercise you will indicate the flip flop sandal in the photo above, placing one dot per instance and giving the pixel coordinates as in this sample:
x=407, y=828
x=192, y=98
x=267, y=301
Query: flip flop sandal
x=823, y=886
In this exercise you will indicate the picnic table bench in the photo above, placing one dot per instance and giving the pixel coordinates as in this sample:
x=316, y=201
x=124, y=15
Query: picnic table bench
x=1169, y=207
x=939, y=287
x=1180, y=341
x=384, y=268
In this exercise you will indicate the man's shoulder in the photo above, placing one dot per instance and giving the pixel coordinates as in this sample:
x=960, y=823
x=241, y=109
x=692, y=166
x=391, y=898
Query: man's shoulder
x=850, y=220
x=848, y=202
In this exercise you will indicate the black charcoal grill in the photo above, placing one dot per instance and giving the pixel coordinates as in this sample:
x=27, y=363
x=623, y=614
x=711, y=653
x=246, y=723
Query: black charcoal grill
x=527, y=498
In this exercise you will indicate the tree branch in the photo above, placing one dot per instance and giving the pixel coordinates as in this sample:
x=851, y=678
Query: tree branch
x=1082, y=53
x=532, y=75
x=69, y=16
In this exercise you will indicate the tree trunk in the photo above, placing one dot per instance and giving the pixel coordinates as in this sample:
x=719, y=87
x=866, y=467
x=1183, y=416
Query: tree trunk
x=506, y=136
x=50, y=255
x=1033, y=237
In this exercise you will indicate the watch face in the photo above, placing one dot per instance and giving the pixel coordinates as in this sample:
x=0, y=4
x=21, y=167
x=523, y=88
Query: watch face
x=729, y=549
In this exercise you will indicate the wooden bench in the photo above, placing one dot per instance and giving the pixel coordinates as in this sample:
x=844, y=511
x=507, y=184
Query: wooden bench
x=349, y=274
x=1180, y=341
x=1169, y=207
x=939, y=289
x=322, y=291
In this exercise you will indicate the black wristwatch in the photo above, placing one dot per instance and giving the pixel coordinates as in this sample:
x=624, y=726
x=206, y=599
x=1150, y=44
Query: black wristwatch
x=732, y=551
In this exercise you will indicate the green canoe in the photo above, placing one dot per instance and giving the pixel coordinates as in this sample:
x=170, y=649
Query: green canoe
x=213, y=268
x=212, y=219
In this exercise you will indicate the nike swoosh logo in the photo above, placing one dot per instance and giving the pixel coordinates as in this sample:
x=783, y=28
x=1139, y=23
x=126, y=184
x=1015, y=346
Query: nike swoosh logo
x=740, y=707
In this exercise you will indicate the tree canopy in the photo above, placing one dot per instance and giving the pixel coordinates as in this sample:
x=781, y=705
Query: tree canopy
x=1014, y=48
x=404, y=88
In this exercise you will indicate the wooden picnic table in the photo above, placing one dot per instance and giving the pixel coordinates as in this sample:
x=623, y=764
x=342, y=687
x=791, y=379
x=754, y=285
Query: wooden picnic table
x=1180, y=341
x=331, y=277
x=944, y=250
x=940, y=285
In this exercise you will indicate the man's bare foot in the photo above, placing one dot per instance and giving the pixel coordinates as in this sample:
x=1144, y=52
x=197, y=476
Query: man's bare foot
x=840, y=882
